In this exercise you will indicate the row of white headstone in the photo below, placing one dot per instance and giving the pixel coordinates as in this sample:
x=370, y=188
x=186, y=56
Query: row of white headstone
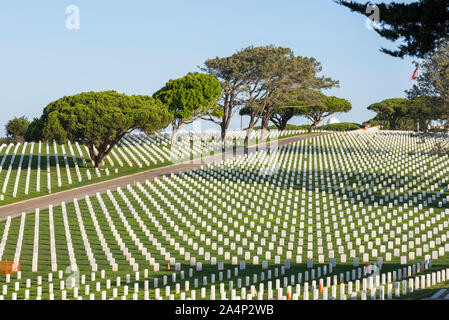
x=137, y=146
x=407, y=278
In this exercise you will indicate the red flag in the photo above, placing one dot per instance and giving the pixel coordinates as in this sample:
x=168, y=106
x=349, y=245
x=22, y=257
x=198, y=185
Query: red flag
x=415, y=74
x=342, y=279
x=321, y=287
x=288, y=296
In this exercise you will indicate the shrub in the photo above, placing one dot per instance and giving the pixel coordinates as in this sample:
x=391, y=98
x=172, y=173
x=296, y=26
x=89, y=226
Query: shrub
x=343, y=126
x=4, y=140
x=287, y=127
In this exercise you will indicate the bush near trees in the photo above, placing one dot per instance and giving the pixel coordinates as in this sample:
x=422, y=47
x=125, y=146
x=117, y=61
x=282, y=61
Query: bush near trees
x=6, y=140
x=293, y=127
x=342, y=126
x=189, y=98
x=100, y=119
x=16, y=128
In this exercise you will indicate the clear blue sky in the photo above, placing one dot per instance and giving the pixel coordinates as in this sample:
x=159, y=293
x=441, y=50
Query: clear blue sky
x=136, y=46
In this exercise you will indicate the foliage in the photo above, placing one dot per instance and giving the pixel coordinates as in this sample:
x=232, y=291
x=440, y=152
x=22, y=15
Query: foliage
x=273, y=74
x=34, y=131
x=16, y=128
x=407, y=114
x=100, y=119
x=189, y=98
x=321, y=106
x=431, y=92
x=281, y=116
x=342, y=126
x=391, y=110
x=420, y=25
x=434, y=77
x=230, y=71
x=292, y=104
x=6, y=140
x=376, y=122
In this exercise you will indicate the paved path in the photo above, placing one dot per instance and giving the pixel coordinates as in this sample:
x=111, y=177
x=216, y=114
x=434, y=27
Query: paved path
x=15, y=209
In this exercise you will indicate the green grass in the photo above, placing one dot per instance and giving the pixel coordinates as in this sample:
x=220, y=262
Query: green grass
x=65, y=185
x=305, y=183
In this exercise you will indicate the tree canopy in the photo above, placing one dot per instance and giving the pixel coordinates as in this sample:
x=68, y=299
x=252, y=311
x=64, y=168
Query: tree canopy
x=273, y=73
x=17, y=128
x=391, y=111
x=434, y=77
x=423, y=110
x=431, y=91
x=34, y=131
x=407, y=114
x=320, y=106
x=189, y=98
x=230, y=71
x=293, y=103
x=420, y=25
x=100, y=119
x=281, y=116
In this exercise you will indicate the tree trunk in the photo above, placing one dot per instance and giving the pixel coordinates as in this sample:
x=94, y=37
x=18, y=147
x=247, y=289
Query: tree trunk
x=99, y=162
x=283, y=124
x=265, y=122
x=223, y=131
x=248, y=132
x=173, y=137
x=313, y=126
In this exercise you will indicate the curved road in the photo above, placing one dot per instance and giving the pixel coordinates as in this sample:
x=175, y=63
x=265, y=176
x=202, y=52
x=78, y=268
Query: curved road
x=16, y=209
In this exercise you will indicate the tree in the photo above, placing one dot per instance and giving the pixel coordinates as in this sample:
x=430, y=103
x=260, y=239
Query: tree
x=34, y=131
x=422, y=110
x=100, y=119
x=434, y=78
x=391, y=111
x=230, y=71
x=273, y=73
x=292, y=104
x=190, y=98
x=324, y=107
x=421, y=25
x=431, y=92
x=17, y=128
x=407, y=114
